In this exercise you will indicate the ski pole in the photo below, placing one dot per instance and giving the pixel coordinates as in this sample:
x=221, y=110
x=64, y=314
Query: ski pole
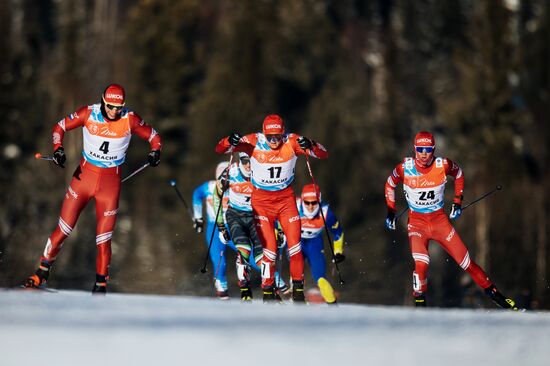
x=203, y=268
x=42, y=157
x=324, y=220
x=50, y=158
x=173, y=183
x=497, y=188
x=135, y=172
x=401, y=213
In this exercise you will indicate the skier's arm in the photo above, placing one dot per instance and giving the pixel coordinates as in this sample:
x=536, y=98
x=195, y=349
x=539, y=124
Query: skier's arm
x=72, y=121
x=217, y=198
x=337, y=232
x=391, y=183
x=222, y=184
x=199, y=194
x=312, y=148
x=246, y=144
x=140, y=128
x=453, y=169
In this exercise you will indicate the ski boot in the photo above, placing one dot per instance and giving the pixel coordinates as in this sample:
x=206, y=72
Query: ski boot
x=246, y=294
x=326, y=291
x=269, y=294
x=40, y=278
x=499, y=299
x=420, y=300
x=298, y=292
x=221, y=290
x=100, y=285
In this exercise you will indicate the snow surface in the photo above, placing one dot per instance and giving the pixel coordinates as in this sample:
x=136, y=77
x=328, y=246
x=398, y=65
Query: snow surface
x=77, y=329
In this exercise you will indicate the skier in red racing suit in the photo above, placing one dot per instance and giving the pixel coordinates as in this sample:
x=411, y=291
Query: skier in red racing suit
x=424, y=179
x=273, y=156
x=107, y=129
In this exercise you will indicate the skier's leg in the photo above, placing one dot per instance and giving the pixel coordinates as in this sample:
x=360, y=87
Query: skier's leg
x=217, y=256
x=266, y=232
x=76, y=198
x=106, y=197
x=449, y=239
x=452, y=243
x=313, y=252
x=418, y=240
x=244, y=249
x=291, y=224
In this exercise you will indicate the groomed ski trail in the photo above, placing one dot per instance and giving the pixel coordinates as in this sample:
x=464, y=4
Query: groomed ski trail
x=75, y=328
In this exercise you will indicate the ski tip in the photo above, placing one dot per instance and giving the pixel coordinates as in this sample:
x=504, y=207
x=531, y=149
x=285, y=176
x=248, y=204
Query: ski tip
x=37, y=155
x=172, y=182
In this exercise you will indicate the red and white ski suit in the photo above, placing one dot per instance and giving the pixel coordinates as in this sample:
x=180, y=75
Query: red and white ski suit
x=272, y=172
x=424, y=189
x=97, y=176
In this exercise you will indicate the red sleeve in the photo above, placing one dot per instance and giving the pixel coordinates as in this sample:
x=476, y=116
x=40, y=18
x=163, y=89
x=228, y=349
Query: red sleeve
x=139, y=127
x=72, y=121
x=246, y=144
x=317, y=151
x=391, y=183
x=452, y=169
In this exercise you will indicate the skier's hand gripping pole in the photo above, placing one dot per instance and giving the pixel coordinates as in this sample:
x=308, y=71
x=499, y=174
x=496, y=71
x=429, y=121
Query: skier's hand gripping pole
x=51, y=158
x=331, y=245
x=483, y=196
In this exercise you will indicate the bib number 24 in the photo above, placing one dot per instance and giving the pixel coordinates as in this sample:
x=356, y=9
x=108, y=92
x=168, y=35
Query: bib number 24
x=427, y=195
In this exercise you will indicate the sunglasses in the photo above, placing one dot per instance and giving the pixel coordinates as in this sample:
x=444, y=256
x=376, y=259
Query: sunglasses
x=245, y=161
x=311, y=203
x=116, y=107
x=428, y=149
x=274, y=138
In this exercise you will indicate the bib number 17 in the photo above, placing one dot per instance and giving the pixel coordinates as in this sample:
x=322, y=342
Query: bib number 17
x=275, y=172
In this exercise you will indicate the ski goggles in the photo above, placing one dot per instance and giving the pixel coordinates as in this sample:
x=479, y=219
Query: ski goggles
x=115, y=107
x=311, y=203
x=428, y=149
x=245, y=160
x=274, y=138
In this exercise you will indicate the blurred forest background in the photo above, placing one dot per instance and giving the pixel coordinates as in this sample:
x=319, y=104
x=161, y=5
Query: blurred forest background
x=361, y=77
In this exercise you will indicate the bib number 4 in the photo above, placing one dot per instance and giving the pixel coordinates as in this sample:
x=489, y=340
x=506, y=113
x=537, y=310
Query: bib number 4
x=104, y=147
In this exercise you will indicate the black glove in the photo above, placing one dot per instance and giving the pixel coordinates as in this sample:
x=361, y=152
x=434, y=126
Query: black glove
x=234, y=138
x=224, y=235
x=390, y=221
x=281, y=239
x=305, y=143
x=198, y=224
x=224, y=182
x=339, y=258
x=154, y=158
x=59, y=156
